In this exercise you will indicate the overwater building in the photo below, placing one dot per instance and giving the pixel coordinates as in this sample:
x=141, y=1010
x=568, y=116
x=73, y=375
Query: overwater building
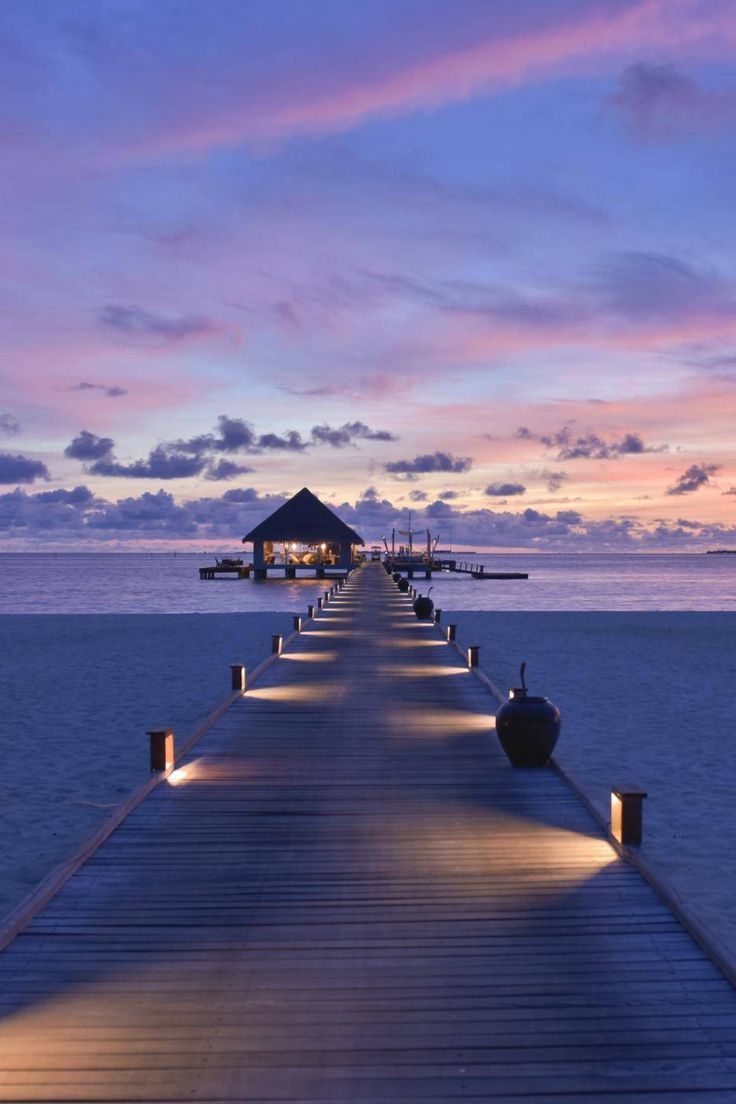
x=303, y=533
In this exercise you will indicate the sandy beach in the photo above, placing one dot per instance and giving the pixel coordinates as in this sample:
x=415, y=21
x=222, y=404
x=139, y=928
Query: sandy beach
x=645, y=697
x=79, y=693
x=636, y=691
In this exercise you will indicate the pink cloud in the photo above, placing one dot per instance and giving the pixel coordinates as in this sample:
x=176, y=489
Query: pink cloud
x=450, y=74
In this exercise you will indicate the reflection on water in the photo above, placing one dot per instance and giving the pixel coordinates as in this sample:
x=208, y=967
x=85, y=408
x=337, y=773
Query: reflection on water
x=164, y=583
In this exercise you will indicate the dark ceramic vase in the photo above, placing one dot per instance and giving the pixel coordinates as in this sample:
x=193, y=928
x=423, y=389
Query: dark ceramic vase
x=403, y=585
x=423, y=606
x=396, y=576
x=527, y=727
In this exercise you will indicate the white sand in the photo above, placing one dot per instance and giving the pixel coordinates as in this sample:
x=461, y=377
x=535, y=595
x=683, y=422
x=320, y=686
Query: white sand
x=78, y=693
x=648, y=698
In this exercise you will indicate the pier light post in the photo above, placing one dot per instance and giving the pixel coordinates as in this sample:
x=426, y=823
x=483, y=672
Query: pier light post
x=162, y=748
x=451, y=632
x=626, y=813
x=310, y=611
x=437, y=616
x=297, y=624
x=473, y=651
x=238, y=678
x=276, y=642
x=320, y=603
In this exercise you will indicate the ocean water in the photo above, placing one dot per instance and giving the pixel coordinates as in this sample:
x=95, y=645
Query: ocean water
x=168, y=583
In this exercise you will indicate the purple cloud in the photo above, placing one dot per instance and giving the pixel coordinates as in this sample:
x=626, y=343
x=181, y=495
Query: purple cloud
x=553, y=479
x=587, y=446
x=9, y=425
x=21, y=469
x=225, y=469
x=161, y=463
x=696, y=476
x=429, y=462
x=348, y=433
x=234, y=435
x=185, y=458
x=88, y=446
x=286, y=442
x=112, y=392
x=660, y=102
x=78, y=515
x=505, y=490
x=135, y=322
x=78, y=496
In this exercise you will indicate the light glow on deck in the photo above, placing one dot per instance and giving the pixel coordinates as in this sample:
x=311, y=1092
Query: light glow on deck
x=291, y=692
x=311, y=657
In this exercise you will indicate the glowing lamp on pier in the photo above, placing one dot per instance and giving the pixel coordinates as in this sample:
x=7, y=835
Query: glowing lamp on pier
x=162, y=748
x=626, y=813
x=238, y=679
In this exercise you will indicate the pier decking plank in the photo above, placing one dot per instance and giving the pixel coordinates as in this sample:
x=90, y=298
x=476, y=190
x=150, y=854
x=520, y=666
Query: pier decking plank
x=351, y=896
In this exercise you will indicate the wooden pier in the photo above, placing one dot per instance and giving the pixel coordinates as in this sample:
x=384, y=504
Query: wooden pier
x=239, y=571
x=476, y=570
x=346, y=895
x=276, y=571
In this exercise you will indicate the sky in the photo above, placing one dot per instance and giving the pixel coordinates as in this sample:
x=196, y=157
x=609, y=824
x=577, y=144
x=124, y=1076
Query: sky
x=474, y=260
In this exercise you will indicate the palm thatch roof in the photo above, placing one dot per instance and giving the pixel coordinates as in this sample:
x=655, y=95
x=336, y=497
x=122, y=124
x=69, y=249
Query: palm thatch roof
x=304, y=518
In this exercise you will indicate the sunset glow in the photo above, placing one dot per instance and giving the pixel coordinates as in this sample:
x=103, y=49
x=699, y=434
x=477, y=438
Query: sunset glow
x=470, y=261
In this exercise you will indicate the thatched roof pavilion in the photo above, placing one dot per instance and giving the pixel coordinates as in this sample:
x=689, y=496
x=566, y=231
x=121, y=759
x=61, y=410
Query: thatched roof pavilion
x=306, y=522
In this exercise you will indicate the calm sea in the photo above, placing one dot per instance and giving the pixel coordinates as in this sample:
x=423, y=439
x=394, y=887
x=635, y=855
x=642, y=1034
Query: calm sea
x=168, y=583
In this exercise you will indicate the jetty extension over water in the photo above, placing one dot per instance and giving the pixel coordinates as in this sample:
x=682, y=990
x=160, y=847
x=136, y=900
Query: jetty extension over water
x=346, y=894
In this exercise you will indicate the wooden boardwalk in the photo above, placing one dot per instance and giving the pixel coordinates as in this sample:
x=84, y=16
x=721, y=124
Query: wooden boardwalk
x=350, y=897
